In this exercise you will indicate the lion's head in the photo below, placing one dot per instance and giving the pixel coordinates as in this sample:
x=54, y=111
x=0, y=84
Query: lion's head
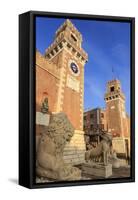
x=60, y=129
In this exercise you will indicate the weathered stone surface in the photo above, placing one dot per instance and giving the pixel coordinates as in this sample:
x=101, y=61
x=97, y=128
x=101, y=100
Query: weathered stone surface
x=102, y=151
x=97, y=170
x=76, y=147
x=116, y=163
x=50, y=161
x=42, y=118
x=119, y=145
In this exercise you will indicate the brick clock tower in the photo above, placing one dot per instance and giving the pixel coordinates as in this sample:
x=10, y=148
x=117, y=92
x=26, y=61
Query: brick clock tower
x=69, y=57
x=117, y=118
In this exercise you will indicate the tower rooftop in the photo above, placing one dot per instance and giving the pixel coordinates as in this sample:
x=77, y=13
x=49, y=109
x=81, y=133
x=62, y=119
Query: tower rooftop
x=71, y=26
x=67, y=37
x=113, y=90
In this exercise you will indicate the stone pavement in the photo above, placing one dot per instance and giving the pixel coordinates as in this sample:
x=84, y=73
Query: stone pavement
x=117, y=173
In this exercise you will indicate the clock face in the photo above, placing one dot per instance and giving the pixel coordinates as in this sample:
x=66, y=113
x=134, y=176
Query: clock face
x=74, y=68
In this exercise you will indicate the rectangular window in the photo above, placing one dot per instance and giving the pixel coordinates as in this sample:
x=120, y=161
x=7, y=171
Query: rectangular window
x=73, y=37
x=112, y=89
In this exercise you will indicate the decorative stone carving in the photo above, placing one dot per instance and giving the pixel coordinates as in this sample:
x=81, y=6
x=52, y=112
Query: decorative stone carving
x=98, y=158
x=102, y=151
x=50, y=162
x=45, y=107
x=114, y=160
x=73, y=83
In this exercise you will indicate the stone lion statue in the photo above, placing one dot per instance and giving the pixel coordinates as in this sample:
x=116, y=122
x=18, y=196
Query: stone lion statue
x=50, y=162
x=116, y=163
x=102, y=151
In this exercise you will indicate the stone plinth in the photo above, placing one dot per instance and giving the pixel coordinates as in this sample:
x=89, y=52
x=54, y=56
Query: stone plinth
x=74, y=151
x=42, y=119
x=97, y=170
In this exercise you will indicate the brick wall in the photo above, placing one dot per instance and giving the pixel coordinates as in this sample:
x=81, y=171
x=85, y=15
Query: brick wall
x=47, y=80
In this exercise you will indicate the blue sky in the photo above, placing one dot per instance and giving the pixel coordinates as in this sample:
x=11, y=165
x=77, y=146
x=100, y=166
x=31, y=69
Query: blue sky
x=108, y=47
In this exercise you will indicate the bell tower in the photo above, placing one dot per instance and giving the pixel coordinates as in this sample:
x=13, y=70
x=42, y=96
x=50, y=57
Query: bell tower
x=117, y=118
x=67, y=54
x=115, y=108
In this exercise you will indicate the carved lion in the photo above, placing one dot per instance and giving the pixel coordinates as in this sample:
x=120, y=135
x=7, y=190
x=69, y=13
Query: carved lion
x=102, y=151
x=50, y=162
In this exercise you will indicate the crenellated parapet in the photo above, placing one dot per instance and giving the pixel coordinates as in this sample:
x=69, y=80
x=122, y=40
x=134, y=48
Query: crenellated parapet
x=114, y=91
x=69, y=38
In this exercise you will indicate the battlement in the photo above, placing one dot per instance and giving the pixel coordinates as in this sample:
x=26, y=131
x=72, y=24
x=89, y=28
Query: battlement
x=114, y=95
x=69, y=25
x=46, y=65
x=114, y=81
x=67, y=37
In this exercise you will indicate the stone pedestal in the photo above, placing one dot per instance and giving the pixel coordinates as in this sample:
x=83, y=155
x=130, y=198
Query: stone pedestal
x=42, y=121
x=49, y=157
x=74, y=151
x=97, y=170
x=119, y=146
